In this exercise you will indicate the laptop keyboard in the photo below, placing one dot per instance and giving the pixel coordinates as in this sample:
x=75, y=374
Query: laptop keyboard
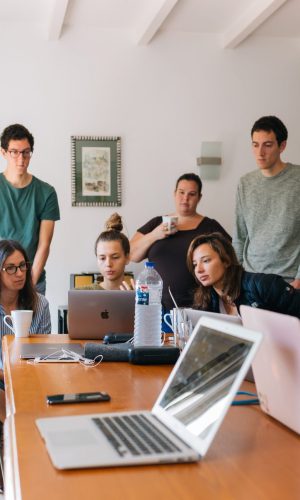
x=134, y=435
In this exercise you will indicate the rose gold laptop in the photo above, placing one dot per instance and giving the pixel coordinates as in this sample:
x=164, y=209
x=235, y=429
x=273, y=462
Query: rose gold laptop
x=276, y=366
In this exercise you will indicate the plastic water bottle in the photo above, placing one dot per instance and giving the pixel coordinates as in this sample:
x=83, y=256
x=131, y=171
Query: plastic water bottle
x=147, y=319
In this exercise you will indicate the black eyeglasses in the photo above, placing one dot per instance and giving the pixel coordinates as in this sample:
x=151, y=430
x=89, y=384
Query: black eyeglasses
x=11, y=269
x=14, y=153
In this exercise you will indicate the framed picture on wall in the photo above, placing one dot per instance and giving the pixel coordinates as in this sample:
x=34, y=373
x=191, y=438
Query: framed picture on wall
x=96, y=171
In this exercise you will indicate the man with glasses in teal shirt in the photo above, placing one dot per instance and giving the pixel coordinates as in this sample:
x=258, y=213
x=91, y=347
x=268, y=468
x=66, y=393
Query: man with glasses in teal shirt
x=28, y=206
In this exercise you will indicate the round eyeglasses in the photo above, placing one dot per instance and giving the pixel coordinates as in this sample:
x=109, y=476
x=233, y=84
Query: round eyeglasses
x=11, y=269
x=26, y=153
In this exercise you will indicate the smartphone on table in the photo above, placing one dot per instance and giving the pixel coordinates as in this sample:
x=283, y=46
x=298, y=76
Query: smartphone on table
x=80, y=397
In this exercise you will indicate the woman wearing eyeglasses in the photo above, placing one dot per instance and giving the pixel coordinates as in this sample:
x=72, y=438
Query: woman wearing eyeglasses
x=18, y=292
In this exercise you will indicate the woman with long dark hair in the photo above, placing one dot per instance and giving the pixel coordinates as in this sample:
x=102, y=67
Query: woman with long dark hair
x=17, y=290
x=224, y=285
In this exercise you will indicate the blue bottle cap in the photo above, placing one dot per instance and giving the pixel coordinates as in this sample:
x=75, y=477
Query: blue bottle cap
x=149, y=264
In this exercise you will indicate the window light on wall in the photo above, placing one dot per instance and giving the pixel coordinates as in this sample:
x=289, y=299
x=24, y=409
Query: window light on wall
x=210, y=160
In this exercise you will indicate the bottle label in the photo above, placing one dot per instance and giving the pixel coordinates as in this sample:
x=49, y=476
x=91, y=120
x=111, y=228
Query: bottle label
x=142, y=295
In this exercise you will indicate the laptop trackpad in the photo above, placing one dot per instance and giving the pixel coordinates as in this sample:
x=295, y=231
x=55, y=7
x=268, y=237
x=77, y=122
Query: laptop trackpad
x=72, y=438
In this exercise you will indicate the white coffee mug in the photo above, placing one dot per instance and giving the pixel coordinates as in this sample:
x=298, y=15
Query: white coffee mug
x=19, y=322
x=171, y=221
x=174, y=317
x=168, y=320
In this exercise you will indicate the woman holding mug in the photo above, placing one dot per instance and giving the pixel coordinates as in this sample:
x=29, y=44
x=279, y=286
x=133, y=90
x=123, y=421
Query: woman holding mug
x=18, y=292
x=166, y=245
x=224, y=285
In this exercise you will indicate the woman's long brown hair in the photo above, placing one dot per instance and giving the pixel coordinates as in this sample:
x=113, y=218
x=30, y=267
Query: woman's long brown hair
x=232, y=274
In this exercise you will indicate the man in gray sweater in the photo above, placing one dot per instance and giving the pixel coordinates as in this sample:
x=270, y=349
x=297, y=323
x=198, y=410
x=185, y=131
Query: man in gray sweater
x=267, y=222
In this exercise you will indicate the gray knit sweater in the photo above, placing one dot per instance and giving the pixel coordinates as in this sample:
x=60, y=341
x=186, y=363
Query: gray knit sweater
x=267, y=223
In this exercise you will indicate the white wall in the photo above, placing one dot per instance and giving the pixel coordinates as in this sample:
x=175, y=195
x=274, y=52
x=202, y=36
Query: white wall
x=163, y=100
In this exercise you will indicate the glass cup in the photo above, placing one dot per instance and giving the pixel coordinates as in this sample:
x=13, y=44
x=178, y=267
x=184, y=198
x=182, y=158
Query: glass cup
x=183, y=333
x=180, y=324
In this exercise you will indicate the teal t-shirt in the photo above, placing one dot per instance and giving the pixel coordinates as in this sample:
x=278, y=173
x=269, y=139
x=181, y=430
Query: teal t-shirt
x=23, y=209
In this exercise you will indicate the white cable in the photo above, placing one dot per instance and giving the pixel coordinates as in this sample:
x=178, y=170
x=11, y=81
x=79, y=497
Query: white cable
x=67, y=356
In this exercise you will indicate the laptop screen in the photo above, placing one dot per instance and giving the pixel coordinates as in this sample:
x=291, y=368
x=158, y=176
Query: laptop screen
x=201, y=388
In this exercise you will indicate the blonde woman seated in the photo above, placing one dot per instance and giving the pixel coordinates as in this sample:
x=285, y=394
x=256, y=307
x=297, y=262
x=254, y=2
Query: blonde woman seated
x=112, y=250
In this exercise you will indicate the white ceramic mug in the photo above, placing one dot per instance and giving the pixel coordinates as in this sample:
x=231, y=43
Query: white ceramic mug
x=168, y=319
x=173, y=317
x=171, y=221
x=19, y=322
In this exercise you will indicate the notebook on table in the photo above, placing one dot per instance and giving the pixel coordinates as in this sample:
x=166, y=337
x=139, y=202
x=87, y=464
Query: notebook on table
x=184, y=420
x=94, y=313
x=276, y=367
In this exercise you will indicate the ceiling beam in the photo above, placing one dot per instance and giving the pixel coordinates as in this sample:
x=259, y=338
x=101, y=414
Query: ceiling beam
x=57, y=19
x=249, y=22
x=154, y=20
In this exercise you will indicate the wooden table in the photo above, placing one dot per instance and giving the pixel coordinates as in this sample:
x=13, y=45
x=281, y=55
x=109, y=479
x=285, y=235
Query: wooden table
x=252, y=457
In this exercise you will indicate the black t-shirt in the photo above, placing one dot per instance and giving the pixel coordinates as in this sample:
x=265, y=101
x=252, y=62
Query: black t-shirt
x=169, y=257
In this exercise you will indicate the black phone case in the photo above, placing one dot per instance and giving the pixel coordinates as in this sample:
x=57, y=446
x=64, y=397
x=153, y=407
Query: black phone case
x=104, y=397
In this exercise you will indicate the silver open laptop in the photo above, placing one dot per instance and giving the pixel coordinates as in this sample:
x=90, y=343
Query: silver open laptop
x=276, y=367
x=184, y=419
x=94, y=313
x=195, y=314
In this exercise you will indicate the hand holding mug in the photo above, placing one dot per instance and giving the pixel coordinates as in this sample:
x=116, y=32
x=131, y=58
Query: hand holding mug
x=159, y=232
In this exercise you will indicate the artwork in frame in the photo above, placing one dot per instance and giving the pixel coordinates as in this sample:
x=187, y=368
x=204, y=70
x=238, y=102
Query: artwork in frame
x=96, y=171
